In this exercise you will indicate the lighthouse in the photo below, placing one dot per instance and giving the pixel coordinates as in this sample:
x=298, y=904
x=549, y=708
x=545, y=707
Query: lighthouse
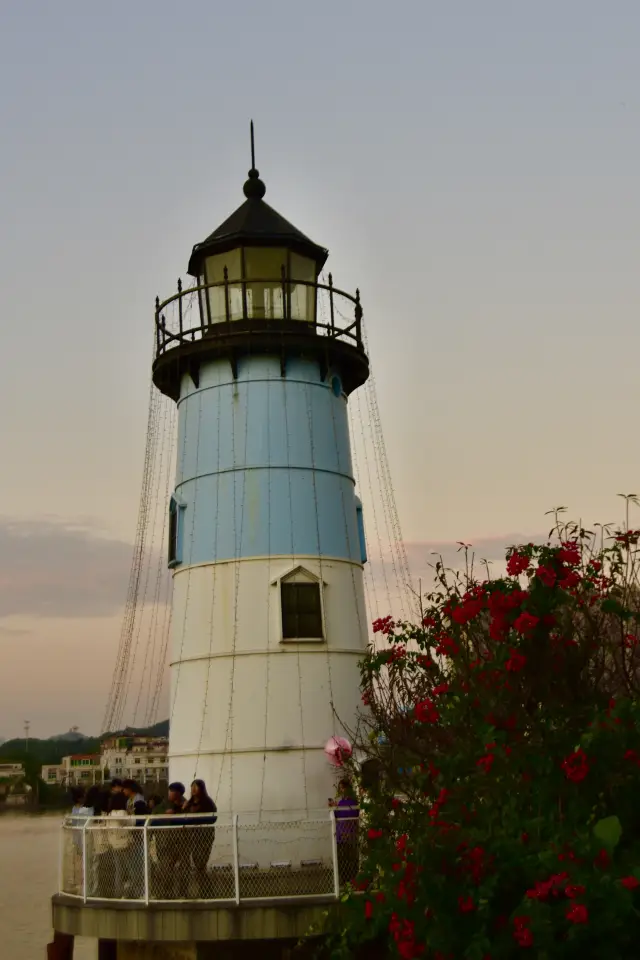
x=266, y=538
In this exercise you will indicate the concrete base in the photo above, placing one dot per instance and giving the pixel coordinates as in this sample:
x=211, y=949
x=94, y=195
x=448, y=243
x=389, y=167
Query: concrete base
x=237, y=950
x=184, y=931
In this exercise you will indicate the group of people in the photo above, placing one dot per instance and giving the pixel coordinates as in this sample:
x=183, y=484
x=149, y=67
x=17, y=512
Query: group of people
x=116, y=864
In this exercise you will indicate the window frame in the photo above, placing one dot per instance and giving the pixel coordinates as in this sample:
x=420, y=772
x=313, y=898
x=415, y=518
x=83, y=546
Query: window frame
x=292, y=577
x=176, y=531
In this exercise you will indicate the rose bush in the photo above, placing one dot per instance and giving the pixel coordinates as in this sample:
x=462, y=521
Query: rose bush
x=505, y=821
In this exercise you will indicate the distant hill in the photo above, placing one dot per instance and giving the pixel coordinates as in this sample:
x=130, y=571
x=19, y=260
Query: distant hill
x=72, y=736
x=53, y=749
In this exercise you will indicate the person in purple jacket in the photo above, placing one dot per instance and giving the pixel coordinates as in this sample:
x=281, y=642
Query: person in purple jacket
x=347, y=812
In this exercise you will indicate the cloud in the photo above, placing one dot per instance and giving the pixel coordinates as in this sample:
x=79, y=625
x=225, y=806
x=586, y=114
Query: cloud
x=492, y=549
x=55, y=568
x=424, y=554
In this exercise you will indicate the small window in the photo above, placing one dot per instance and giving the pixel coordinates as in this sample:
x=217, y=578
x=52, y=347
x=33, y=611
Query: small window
x=301, y=611
x=175, y=532
x=361, y=537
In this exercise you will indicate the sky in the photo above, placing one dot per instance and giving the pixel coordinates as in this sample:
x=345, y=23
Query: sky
x=472, y=168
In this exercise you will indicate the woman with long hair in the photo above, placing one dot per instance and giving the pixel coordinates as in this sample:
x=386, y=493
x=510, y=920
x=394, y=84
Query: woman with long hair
x=200, y=832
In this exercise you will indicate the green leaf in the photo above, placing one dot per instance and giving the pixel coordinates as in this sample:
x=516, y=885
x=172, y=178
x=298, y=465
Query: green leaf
x=608, y=831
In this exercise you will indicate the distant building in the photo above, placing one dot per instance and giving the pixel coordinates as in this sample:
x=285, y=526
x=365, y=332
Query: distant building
x=53, y=773
x=11, y=771
x=78, y=769
x=144, y=759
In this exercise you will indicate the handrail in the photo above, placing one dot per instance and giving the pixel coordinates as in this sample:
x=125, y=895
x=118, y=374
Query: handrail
x=166, y=336
x=240, y=281
x=132, y=859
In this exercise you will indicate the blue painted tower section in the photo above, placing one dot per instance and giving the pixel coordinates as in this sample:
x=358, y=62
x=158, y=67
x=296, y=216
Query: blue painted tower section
x=264, y=465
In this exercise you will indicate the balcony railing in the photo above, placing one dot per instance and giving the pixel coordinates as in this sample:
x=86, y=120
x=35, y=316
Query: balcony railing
x=145, y=860
x=256, y=305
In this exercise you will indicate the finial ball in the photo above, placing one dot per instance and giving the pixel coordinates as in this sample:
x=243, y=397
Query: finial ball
x=254, y=187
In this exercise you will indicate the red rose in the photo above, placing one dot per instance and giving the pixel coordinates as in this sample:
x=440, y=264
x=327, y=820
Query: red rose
x=546, y=575
x=525, y=623
x=380, y=897
x=576, y=766
x=603, y=860
x=426, y=712
x=521, y=933
x=574, y=890
x=374, y=834
x=485, y=763
x=516, y=662
x=517, y=563
x=630, y=883
x=466, y=904
x=577, y=913
x=447, y=647
x=569, y=553
x=368, y=909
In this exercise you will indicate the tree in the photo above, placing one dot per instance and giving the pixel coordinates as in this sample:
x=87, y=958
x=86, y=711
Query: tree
x=506, y=725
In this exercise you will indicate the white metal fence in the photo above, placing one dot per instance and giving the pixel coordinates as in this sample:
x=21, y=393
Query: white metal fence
x=160, y=859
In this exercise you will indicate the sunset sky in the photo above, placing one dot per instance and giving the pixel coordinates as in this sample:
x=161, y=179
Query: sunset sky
x=472, y=167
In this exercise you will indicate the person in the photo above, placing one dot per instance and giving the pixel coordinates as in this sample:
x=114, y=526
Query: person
x=116, y=786
x=120, y=843
x=77, y=800
x=136, y=806
x=154, y=802
x=79, y=814
x=169, y=843
x=347, y=812
x=98, y=851
x=136, y=803
x=200, y=832
x=175, y=801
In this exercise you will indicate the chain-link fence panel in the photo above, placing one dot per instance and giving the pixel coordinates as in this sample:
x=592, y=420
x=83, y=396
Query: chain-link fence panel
x=288, y=859
x=191, y=862
x=348, y=848
x=71, y=854
x=115, y=860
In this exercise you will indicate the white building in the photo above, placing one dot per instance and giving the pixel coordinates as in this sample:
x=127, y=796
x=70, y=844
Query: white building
x=53, y=773
x=143, y=759
x=78, y=769
x=11, y=771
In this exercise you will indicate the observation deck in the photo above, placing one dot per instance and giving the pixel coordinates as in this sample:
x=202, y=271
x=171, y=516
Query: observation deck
x=163, y=879
x=230, y=319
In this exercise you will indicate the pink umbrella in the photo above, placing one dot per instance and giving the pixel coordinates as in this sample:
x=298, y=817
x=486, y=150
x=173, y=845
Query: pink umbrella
x=337, y=750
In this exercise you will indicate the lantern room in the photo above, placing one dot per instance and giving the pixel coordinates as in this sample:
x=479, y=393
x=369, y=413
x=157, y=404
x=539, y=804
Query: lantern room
x=257, y=266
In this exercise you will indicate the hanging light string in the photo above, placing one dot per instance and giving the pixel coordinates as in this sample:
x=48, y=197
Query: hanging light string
x=269, y=591
x=165, y=632
x=394, y=518
x=237, y=537
x=214, y=570
x=187, y=400
x=396, y=554
x=150, y=556
x=118, y=681
x=160, y=592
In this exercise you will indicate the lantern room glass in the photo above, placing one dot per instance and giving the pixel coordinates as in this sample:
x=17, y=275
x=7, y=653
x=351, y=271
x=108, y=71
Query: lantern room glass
x=214, y=273
x=302, y=304
x=265, y=266
x=262, y=283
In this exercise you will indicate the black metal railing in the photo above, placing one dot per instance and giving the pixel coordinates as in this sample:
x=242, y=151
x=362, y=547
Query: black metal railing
x=175, y=327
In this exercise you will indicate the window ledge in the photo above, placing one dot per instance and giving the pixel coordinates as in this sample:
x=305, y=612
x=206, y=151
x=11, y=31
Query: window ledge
x=303, y=640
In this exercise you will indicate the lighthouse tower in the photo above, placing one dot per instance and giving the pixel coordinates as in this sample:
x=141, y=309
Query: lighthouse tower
x=266, y=539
